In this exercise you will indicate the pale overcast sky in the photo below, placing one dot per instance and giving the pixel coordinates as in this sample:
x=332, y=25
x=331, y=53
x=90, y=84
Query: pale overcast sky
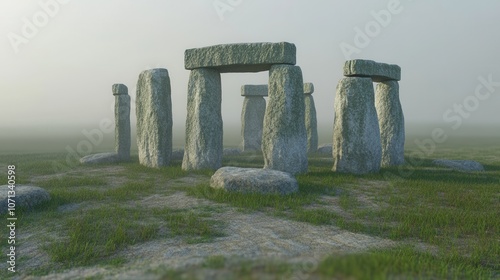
x=58, y=62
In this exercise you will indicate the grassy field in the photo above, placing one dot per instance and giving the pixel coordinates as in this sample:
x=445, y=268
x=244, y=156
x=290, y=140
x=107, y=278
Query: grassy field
x=446, y=223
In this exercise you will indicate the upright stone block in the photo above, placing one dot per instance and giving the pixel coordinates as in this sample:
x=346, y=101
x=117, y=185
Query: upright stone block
x=310, y=119
x=203, y=148
x=391, y=123
x=154, y=118
x=252, y=116
x=356, y=135
x=284, y=140
x=122, y=121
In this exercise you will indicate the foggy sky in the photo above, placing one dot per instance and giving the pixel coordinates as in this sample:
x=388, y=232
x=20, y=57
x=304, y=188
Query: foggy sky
x=62, y=75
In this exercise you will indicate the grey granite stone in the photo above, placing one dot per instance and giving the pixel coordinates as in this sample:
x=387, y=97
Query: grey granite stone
x=284, y=140
x=391, y=123
x=244, y=57
x=356, y=135
x=379, y=72
x=26, y=197
x=203, y=148
x=154, y=118
x=100, y=158
x=252, y=121
x=308, y=88
x=460, y=165
x=122, y=123
x=311, y=124
x=253, y=180
x=254, y=90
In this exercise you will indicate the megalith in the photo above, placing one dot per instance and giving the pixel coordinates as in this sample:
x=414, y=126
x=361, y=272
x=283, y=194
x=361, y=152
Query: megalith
x=252, y=116
x=204, y=132
x=154, y=118
x=356, y=135
x=122, y=121
x=284, y=140
x=310, y=119
x=391, y=123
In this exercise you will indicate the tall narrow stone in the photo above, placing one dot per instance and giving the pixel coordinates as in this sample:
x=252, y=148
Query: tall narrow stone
x=252, y=116
x=284, y=140
x=154, y=118
x=122, y=121
x=391, y=122
x=203, y=148
x=310, y=119
x=356, y=134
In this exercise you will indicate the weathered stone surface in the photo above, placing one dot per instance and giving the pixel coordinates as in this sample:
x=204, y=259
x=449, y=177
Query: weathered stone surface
x=356, y=135
x=254, y=180
x=325, y=149
x=203, y=149
x=154, y=118
x=100, y=158
x=246, y=57
x=379, y=72
x=460, y=165
x=284, y=140
x=252, y=121
x=391, y=122
x=26, y=197
x=308, y=88
x=311, y=124
x=122, y=122
x=254, y=90
x=119, y=89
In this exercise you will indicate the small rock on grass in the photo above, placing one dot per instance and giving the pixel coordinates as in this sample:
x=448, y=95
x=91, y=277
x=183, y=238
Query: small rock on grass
x=254, y=180
x=25, y=196
x=460, y=165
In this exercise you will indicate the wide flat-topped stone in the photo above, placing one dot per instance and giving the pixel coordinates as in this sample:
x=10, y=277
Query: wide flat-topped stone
x=379, y=72
x=254, y=90
x=308, y=88
x=254, y=180
x=245, y=57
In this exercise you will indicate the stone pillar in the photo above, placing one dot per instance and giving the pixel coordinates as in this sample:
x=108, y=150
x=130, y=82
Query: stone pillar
x=391, y=123
x=252, y=116
x=122, y=121
x=356, y=134
x=310, y=119
x=203, y=148
x=154, y=118
x=284, y=140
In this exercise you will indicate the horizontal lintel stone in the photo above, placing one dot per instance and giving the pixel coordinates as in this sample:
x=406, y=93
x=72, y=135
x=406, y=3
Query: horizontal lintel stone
x=254, y=90
x=379, y=72
x=120, y=89
x=244, y=57
x=308, y=88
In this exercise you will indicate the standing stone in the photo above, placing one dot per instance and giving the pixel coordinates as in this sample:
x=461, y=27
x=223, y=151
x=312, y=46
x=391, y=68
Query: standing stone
x=356, y=134
x=284, y=140
x=391, y=122
x=122, y=121
x=154, y=118
x=310, y=119
x=252, y=116
x=203, y=149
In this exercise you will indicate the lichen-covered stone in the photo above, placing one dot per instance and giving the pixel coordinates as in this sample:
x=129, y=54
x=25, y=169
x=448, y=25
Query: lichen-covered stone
x=254, y=180
x=311, y=124
x=284, y=140
x=154, y=118
x=26, y=197
x=122, y=123
x=100, y=158
x=254, y=90
x=119, y=89
x=245, y=57
x=203, y=149
x=325, y=149
x=391, y=123
x=356, y=134
x=252, y=121
x=379, y=72
x=308, y=88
